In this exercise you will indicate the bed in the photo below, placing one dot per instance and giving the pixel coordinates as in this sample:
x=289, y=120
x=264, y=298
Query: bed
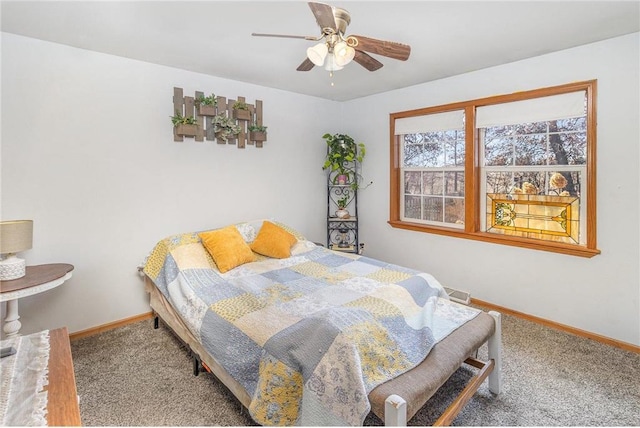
x=303, y=335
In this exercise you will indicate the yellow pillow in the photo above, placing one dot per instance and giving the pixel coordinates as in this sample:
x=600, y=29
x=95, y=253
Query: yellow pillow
x=227, y=247
x=273, y=241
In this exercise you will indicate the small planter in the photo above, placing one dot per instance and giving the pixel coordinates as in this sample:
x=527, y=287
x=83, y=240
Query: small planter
x=187, y=130
x=220, y=136
x=206, y=110
x=241, y=114
x=341, y=179
x=257, y=136
x=343, y=214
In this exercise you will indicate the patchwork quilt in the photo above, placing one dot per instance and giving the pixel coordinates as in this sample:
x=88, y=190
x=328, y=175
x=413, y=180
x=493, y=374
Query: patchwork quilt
x=307, y=336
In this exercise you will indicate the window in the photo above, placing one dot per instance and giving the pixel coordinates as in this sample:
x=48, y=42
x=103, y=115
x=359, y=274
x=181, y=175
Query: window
x=514, y=169
x=433, y=169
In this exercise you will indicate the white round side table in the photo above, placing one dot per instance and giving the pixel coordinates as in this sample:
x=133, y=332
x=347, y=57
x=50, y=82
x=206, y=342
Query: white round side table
x=36, y=280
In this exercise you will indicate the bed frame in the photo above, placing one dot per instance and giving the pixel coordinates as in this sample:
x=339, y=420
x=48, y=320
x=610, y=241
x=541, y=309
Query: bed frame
x=395, y=401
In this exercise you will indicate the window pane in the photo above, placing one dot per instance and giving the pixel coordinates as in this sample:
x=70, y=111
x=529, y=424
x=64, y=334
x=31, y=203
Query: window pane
x=564, y=183
x=568, y=148
x=412, y=183
x=454, y=183
x=454, y=210
x=412, y=152
x=529, y=182
x=499, y=182
x=433, y=150
x=531, y=150
x=538, y=205
x=432, y=183
x=550, y=218
x=423, y=154
x=432, y=209
x=425, y=200
x=412, y=208
x=453, y=148
x=498, y=151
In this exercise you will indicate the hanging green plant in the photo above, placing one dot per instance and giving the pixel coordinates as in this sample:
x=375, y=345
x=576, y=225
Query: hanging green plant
x=342, y=153
x=225, y=127
x=342, y=202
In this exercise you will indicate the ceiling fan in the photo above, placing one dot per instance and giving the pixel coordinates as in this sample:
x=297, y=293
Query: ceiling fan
x=336, y=50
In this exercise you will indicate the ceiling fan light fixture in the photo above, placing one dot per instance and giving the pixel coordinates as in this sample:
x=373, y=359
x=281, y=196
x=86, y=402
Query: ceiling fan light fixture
x=343, y=53
x=336, y=50
x=318, y=53
x=331, y=63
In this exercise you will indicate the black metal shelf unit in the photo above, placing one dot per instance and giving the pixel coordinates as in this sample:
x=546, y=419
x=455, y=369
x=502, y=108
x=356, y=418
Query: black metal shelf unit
x=342, y=227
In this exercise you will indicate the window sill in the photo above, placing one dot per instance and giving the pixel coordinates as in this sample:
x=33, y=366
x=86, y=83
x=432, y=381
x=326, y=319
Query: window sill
x=571, y=250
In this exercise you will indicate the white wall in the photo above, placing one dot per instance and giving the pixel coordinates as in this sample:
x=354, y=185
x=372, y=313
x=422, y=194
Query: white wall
x=88, y=154
x=599, y=295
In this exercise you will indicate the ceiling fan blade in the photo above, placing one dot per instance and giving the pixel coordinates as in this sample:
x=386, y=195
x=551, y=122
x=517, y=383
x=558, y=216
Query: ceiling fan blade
x=367, y=61
x=306, y=65
x=324, y=15
x=380, y=47
x=285, y=36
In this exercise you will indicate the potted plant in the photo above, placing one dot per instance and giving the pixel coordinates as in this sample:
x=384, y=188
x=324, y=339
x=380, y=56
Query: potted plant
x=342, y=207
x=207, y=105
x=225, y=127
x=185, y=126
x=257, y=132
x=241, y=111
x=342, y=153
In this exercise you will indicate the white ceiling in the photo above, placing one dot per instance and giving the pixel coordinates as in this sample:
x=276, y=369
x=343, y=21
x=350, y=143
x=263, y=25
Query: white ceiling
x=214, y=37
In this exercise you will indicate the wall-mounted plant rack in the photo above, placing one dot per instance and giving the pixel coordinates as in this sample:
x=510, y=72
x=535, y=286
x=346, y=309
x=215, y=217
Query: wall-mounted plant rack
x=205, y=129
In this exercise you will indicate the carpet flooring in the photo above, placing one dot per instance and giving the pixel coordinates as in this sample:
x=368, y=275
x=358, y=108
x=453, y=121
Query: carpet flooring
x=137, y=376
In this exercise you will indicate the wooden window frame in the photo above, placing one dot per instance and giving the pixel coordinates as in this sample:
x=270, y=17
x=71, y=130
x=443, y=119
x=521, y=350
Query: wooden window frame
x=472, y=173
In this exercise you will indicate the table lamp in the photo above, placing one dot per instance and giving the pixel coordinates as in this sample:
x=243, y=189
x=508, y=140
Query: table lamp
x=15, y=236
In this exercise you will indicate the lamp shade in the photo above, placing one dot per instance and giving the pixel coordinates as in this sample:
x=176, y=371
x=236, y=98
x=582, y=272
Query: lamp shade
x=317, y=53
x=343, y=53
x=15, y=236
x=330, y=64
